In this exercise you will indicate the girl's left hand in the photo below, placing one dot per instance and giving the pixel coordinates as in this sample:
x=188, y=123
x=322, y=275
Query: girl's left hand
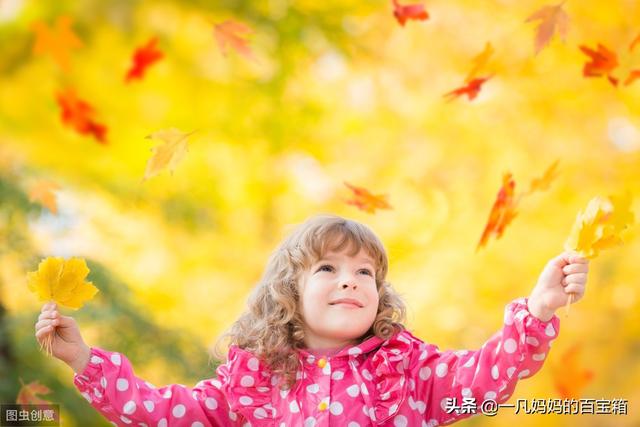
x=564, y=274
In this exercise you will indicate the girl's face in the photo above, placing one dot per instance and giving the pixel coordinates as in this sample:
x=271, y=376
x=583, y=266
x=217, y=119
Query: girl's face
x=339, y=299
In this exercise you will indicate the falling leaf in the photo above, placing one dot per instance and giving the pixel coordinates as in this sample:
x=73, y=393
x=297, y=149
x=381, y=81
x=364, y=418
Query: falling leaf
x=78, y=114
x=57, y=41
x=471, y=89
x=633, y=76
x=569, y=376
x=142, y=59
x=366, y=201
x=234, y=34
x=502, y=212
x=543, y=183
x=634, y=43
x=551, y=18
x=480, y=62
x=603, y=62
x=62, y=281
x=29, y=394
x=168, y=154
x=601, y=225
x=403, y=13
x=43, y=192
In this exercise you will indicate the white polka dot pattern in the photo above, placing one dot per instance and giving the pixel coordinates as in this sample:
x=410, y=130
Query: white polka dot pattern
x=400, y=381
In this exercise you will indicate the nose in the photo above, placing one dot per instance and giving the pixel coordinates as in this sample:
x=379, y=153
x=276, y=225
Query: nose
x=346, y=285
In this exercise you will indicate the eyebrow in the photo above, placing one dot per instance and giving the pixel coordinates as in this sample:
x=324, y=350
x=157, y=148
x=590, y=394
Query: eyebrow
x=333, y=257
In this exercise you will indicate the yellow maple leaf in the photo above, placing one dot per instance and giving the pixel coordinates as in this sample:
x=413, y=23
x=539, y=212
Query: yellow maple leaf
x=43, y=192
x=62, y=281
x=169, y=154
x=544, y=182
x=601, y=225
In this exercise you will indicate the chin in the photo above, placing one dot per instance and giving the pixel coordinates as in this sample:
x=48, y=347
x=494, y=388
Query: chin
x=346, y=334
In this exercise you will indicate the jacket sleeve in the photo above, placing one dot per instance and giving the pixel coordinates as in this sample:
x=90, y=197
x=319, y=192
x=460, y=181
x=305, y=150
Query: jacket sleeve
x=517, y=351
x=109, y=384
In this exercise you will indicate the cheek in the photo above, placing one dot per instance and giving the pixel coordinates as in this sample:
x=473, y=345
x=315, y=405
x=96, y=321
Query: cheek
x=312, y=296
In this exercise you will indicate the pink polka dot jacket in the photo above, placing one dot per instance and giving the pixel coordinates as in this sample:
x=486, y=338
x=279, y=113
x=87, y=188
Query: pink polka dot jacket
x=401, y=381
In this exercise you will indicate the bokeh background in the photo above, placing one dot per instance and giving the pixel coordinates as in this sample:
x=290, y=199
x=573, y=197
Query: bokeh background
x=337, y=91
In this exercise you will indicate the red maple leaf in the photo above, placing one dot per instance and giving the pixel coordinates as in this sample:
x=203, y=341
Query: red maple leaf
x=143, y=57
x=78, y=114
x=405, y=12
x=471, y=89
x=603, y=62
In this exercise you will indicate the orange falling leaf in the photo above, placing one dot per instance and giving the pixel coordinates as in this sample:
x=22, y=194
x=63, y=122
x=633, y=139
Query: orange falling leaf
x=29, y=394
x=552, y=19
x=233, y=34
x=78, y=114
x=632, y=77
x=502, y=212
x=603, y=62
x=543, y=183
x=57, y=41
x=364, y=200
x=43, y=192
x=406, y=12
x=634, y=43
x=480, y=62
x=569, y=377
x=143, y=58
x=471, y=89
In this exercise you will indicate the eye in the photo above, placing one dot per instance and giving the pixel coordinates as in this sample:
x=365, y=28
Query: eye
x=367, y=271
x=322, y=268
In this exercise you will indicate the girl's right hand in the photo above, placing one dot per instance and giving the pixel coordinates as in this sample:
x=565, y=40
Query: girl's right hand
x=66, y=342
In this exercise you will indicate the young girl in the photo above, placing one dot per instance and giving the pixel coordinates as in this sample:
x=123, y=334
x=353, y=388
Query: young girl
x=322, y=343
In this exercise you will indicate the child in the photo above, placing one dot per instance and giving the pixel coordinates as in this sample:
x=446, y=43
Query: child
x=322, y=343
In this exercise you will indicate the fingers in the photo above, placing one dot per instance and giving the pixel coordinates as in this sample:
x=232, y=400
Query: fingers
x=49, y=306
x=561, y=260
x=575, y=268
x=568, y=257
x=49, y=314
x=47, y=322
x=576, y=278
x=576, y=290
x=44, y=327
x=576, y=258
x=43, y=333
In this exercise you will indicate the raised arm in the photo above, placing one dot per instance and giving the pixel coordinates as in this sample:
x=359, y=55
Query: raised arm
x=517, y=351
x=110, y=385
x=108, y=382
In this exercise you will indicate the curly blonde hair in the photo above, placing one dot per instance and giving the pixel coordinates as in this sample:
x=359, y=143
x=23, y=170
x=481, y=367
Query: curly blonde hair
x=272, y=326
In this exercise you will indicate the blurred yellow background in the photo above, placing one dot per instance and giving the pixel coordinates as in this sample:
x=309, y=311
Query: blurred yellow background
x=338, y=91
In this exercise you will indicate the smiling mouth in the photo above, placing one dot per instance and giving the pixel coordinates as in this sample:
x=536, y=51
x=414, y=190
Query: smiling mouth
x=345, y=304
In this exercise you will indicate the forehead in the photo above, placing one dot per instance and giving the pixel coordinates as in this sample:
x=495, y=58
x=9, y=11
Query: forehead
x=361, y=256
x=341, y=245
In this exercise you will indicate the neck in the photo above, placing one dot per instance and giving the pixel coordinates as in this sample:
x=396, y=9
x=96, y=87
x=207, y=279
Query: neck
x=327, y=344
